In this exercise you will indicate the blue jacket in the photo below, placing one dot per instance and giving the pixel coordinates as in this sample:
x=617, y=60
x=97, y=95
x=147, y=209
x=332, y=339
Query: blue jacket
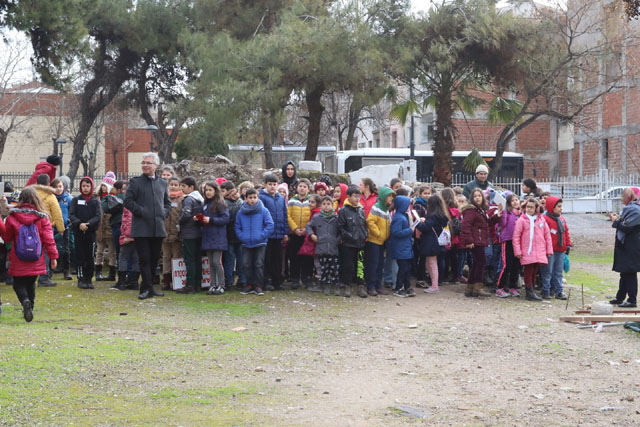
x=277, y=207
x=431, y=229
x=253, y=225
x=214, y=234
x=400, y=230
x=64, y=200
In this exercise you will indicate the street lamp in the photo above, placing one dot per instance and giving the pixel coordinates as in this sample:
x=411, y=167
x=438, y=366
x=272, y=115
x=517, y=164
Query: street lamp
x=152, y=129
x=58, y=148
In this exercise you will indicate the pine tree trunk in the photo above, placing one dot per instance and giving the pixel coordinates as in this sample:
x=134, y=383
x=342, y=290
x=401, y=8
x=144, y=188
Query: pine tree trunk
x=315, y=109
x=354, y=119
x=267, y=139
x=443, y=146
x=3, y=141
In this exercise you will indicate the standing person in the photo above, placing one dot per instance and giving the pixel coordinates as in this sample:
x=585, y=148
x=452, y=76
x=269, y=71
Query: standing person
x=451, y=272
x=368, y=196
x=352, y=229
x=64, y=200
x=167, y=173
x=339, y=196
x=148, y=200
x=530, y=189
x=113, y=205
x=298, y=215
x=25, y=263
x=253, y=227
x=482, y=173
x=420, y=206
x=171, y=245
x=232, y=258
x=191, y=234
x=378, y=225
x=323, y=230
x=105, y=248
x=508, y=277
x=50, y=206
x=84, y=215
x=49, y=167
x=277, y=207
x=561, y=239
x=214, y=234
x=128, y=265
x=532, y=245
x=400, y=243
x=289, y=177
x=475, y=236
x=436, y=220
x=627, y=250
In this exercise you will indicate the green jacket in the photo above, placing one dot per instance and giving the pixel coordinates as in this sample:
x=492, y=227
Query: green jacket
x=115, y=210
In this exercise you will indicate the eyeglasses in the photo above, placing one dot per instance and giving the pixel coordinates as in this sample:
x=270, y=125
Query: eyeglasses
x=147, y=163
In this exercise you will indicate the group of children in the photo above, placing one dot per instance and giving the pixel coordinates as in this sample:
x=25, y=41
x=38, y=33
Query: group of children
x=338, y=239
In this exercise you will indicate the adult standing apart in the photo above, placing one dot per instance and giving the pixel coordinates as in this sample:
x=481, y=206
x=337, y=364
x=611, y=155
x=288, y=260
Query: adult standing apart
x=627, y=249
x=530, y=189
x=369, y=195
x=482, y=173
x=148, y=200
x=49, y=166
x=289, y=177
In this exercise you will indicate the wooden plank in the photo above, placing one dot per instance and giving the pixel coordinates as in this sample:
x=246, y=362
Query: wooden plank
x=615, y=311
x=593, y=318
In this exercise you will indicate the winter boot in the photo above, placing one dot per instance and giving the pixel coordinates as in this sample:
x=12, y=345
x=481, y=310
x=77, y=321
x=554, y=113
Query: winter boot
x=99, y=276
x=336, y=290
x=479, y=291
x=327, y=289
x=531, y=295
x=166, y=281
x=81, y=284
x=67, y=274
x=362, y=291
x=132, y=280
x=121, y=284
x=347, y=291
x=112, y=274
x=468, y=292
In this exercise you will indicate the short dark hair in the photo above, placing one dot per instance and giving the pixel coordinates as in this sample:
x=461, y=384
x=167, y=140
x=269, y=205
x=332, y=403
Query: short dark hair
x=227, y=185
x=173, y=178
x=120, y=183
x=250, y=191
x=54, y=183
x=394, y=181
x=43, y=179
x=317, y=198
x=353, y=189
x=189, y=181
x=270, y=178
x=304, y=181
x=402, y=192
x=327, y=199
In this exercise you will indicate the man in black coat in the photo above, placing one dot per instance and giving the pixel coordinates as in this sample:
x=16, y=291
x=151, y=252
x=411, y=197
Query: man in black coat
x=148, y=200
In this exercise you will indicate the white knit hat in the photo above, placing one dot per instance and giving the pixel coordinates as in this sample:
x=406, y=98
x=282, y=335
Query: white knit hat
x=108, y=180
x=482, y=168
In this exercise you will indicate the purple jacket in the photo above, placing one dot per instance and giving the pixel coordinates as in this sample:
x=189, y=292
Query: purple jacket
x=507, y=225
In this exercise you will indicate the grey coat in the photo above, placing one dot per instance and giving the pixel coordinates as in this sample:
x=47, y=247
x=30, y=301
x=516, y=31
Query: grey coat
x=189, y=228
x=148, y=200
x=327, y=231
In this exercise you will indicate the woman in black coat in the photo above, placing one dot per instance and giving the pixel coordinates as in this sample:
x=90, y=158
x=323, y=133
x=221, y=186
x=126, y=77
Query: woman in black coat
x=627, y=250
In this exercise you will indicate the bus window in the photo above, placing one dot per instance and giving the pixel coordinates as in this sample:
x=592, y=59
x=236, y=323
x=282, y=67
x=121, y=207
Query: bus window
x=352, y=163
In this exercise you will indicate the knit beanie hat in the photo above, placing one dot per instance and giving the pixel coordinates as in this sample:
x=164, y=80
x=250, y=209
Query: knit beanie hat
x=285, y=187
x=318, y=185
x=482, y=168
x=108, y=180
x=54, y=160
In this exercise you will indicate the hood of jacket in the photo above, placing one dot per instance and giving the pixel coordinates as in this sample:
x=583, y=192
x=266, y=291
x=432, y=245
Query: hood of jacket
x=551, y=203
x=401, y=203
x=196, y=195
x=44, y=188
x=247, y=209
x=27, y=214
x=383, y=193
x=466, y=207
x=92, y=185
x=343, y=194
x=285, y=178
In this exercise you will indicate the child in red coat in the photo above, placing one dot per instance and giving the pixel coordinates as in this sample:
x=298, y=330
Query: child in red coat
x=552, y=272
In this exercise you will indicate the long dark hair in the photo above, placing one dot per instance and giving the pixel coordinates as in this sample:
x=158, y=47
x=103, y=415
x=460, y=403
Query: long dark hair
x=510, y=198
x=29, y=196
x=449, y=197
x=436, y=207
x=216, y=203
x=368, y=182
x=484, y=199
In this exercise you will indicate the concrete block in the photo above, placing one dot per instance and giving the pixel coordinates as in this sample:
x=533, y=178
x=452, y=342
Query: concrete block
x=310, y=165
x=380, y=174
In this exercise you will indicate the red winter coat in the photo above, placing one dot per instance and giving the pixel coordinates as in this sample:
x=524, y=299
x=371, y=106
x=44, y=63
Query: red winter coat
x=367, y=203
x=551, y=203
x=475, y=226
x=42, y=167
x=27, y=215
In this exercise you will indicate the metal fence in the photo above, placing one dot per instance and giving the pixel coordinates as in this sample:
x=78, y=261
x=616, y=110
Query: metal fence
x=19, y=179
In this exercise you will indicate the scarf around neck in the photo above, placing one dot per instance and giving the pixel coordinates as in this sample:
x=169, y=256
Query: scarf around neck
x=326, y=214
x=561, y=228
x=532, y=226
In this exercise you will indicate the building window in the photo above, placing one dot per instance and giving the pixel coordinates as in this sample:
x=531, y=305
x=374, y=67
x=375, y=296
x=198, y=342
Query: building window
x=604, y=154
x=394, y=139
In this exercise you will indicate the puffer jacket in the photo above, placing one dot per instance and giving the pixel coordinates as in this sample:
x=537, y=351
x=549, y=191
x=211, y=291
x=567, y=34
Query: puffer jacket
x=431, y=229
x=214, y=234
x=475, y=225
x=352, y=227
x=125, y=226
x=298, y=213
x=368, y=202
x=539, y=240
x=551, y=203
x=64, y=200
x=507, y=225
x=326, y=228
x=234, y=208
x=253, y=225
x=400, y=241
x=50, y=205
x=191, y=206
x=277, y=207
x=42, y=168
x=379, y=219
x=171, y=222
x=27, y=215
x=104, y=233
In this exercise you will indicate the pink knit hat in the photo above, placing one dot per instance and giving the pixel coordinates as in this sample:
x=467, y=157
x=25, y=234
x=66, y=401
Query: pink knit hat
x=108, y=180
x=285, y=186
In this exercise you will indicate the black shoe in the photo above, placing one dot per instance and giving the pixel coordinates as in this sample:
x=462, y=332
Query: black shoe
x=248, y=289
x=156, y=293
x=561, y=296
x=185, y=290
x=67, y=275
x=46, y=283
x=98, y=270
x=269, y=288
x=82, y=285
x=145, y=295
x=531, y=296
x=410, y=292
x=88, y=285
x=546, y=295
x=258, y=291
x=26, y=310
x=627, y=305
x=615, y=302
x=296, y=284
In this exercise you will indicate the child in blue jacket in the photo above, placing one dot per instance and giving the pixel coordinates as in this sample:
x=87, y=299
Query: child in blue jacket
x=400, y=243
x=253, y=227
x=277, y=207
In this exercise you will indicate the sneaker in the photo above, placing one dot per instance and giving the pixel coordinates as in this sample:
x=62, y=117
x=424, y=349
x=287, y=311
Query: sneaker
x=501, y=293
x=248, y=289
x=410, y=292
x=514, y=292
x=421, y=284
x=372, y=293
x=258, y=291
x=432, y=290
x=26, y=310
x=400, y=293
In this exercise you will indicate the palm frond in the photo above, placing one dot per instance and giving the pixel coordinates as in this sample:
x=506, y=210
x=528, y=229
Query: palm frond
x=503, y=110
x=473, y=160
x=403, y=110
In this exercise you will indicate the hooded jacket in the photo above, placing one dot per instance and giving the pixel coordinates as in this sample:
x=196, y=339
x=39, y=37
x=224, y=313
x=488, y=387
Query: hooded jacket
x=431, y=229
x=64, y=200
x=533, y=245
x=253, y=225
x=171, y=222
x=191, y=206
x=277, y=207
x=50, y=205
x=627, y=247
x=234, y=208
x=298, y=212
x=368, y=202
x=508, y=225
x=292, y=182
x=81, y=211
x=27, y=215
x=42, y=168
x=475, y=225
x=554, y=227
x=337, y=204
x=214, y=234
x=352, y=227
x=400, y=240
x=104, y=233
x=379, y=218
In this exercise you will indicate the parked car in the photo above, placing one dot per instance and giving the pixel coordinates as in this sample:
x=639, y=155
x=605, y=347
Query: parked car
x=610, y=194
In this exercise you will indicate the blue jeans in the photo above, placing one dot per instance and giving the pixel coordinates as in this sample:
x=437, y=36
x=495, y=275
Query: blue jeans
x=390, y=269
x=373, y=265
x=552, y=273
x=231, y=261
x=403, y=279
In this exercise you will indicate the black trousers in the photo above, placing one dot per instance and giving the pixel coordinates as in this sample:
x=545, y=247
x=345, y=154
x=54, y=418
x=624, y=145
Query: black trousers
x=301, y=267
x=510, y=267
x=149, y=249
x=628, y=285
x=273, y=262
x=349, y=264
x=85, y=242
x=25, y=288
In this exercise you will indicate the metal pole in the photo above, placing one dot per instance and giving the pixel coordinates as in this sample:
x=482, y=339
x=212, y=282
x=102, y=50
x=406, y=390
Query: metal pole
x=412, y=141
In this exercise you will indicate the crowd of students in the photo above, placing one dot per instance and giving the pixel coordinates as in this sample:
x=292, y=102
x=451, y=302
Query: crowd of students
x=326, y=237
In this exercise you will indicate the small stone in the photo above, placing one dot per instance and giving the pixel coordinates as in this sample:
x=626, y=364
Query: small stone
x=278, y=380
x=259, y=369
